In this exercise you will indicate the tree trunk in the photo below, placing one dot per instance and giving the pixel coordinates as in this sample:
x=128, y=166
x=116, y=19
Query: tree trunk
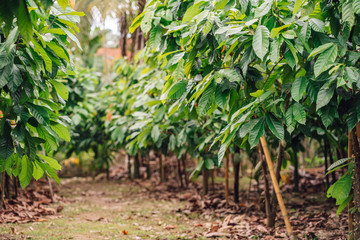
x=162, y=168
x=137, y=166
x=266, y=185
x=129, y=166
x=296, y=172
x=183, y=160
x=327, y=182
x=351, y=204
x=180, y=172
x=148, y=167
x=328, y=149
x=236, y=163
x=227, y=160
x=356, y=184
x=205, y=181
x=123, y=31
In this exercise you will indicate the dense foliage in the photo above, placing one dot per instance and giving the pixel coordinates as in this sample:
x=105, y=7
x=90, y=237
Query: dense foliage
x=33, y=60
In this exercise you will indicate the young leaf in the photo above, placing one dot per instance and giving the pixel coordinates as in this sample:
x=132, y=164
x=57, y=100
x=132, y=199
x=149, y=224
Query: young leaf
x=52, y=162
x=61, y=89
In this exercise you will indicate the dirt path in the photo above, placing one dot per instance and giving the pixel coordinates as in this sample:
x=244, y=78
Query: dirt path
x=109, y=210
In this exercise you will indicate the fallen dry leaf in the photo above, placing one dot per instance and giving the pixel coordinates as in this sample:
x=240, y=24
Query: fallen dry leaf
x=125, y=232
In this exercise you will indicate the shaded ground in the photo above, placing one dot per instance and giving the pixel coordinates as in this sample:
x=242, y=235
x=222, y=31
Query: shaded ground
x=145, y=210
x=107, y=210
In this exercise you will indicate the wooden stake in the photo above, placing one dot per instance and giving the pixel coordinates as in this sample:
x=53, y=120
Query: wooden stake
x=276, y=185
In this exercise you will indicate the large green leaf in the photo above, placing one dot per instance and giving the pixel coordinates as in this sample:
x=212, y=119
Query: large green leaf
x=317, y=25
x=356, y=6
x=206, y=100
x=52, y=162
x=341, y=189
x=61, y=130
x=260, y=42
x=24, y=21
x=325, y=60
x=61, y=89
x=40, y=114
x=26, y=171
x=256, y=132
x=275, y=126
x=298, y=88
x=348, y=12
x=263, y=9
x=324, y=96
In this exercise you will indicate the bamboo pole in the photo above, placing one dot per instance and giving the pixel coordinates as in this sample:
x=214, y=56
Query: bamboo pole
x=276, y=185
x=350, y=217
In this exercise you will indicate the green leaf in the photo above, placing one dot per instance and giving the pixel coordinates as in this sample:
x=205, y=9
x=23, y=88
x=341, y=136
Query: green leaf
x=206, y=100
x=5, y=75
x=146, y=21
x=298, y=88
x=324, y=96
x=61, y=89
x=155, y=37
x=260, y=42
x=24, y=21
x=155, y=133
x=327, y=115
x=40, y=114
x=40, y=50
x=58, y=50
x=177, y=90
x=38, y=172
x=137, y=21
x=61, y=130
x=299, y=113
x=256, y=132
x=191, y=12
x=317, y=25
x=263, y=9
x=275, y=31
x=63, y=3
x=275, y=126
x=356, y=6
x=6, y=147
x=26, y=172
x=341, y=189
x=325, y=60
x=344, y=204
x=348, y=12
x=52, y=162
x=209, y=23
x=15, y=79
x=339, y=162
x=320, y=49
x=297, y=5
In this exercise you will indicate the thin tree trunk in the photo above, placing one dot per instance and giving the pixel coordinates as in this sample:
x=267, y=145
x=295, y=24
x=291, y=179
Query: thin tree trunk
x=296, y=172
x=212, y=179
x=236, y=163
x=356, y=185
x=148, y=167
x=51, y=189
x=2, y=200
x=266, y=185
x=205, y=181
x=123, y=34
x=227, y=160
x=183, y=160
x=15, y=187
x=333, y=175
x=137, y=166
x=327, y=182
x=276, y=186
x=129, y=166
x=162, y=168
x=180, y=173
x=351, y=204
